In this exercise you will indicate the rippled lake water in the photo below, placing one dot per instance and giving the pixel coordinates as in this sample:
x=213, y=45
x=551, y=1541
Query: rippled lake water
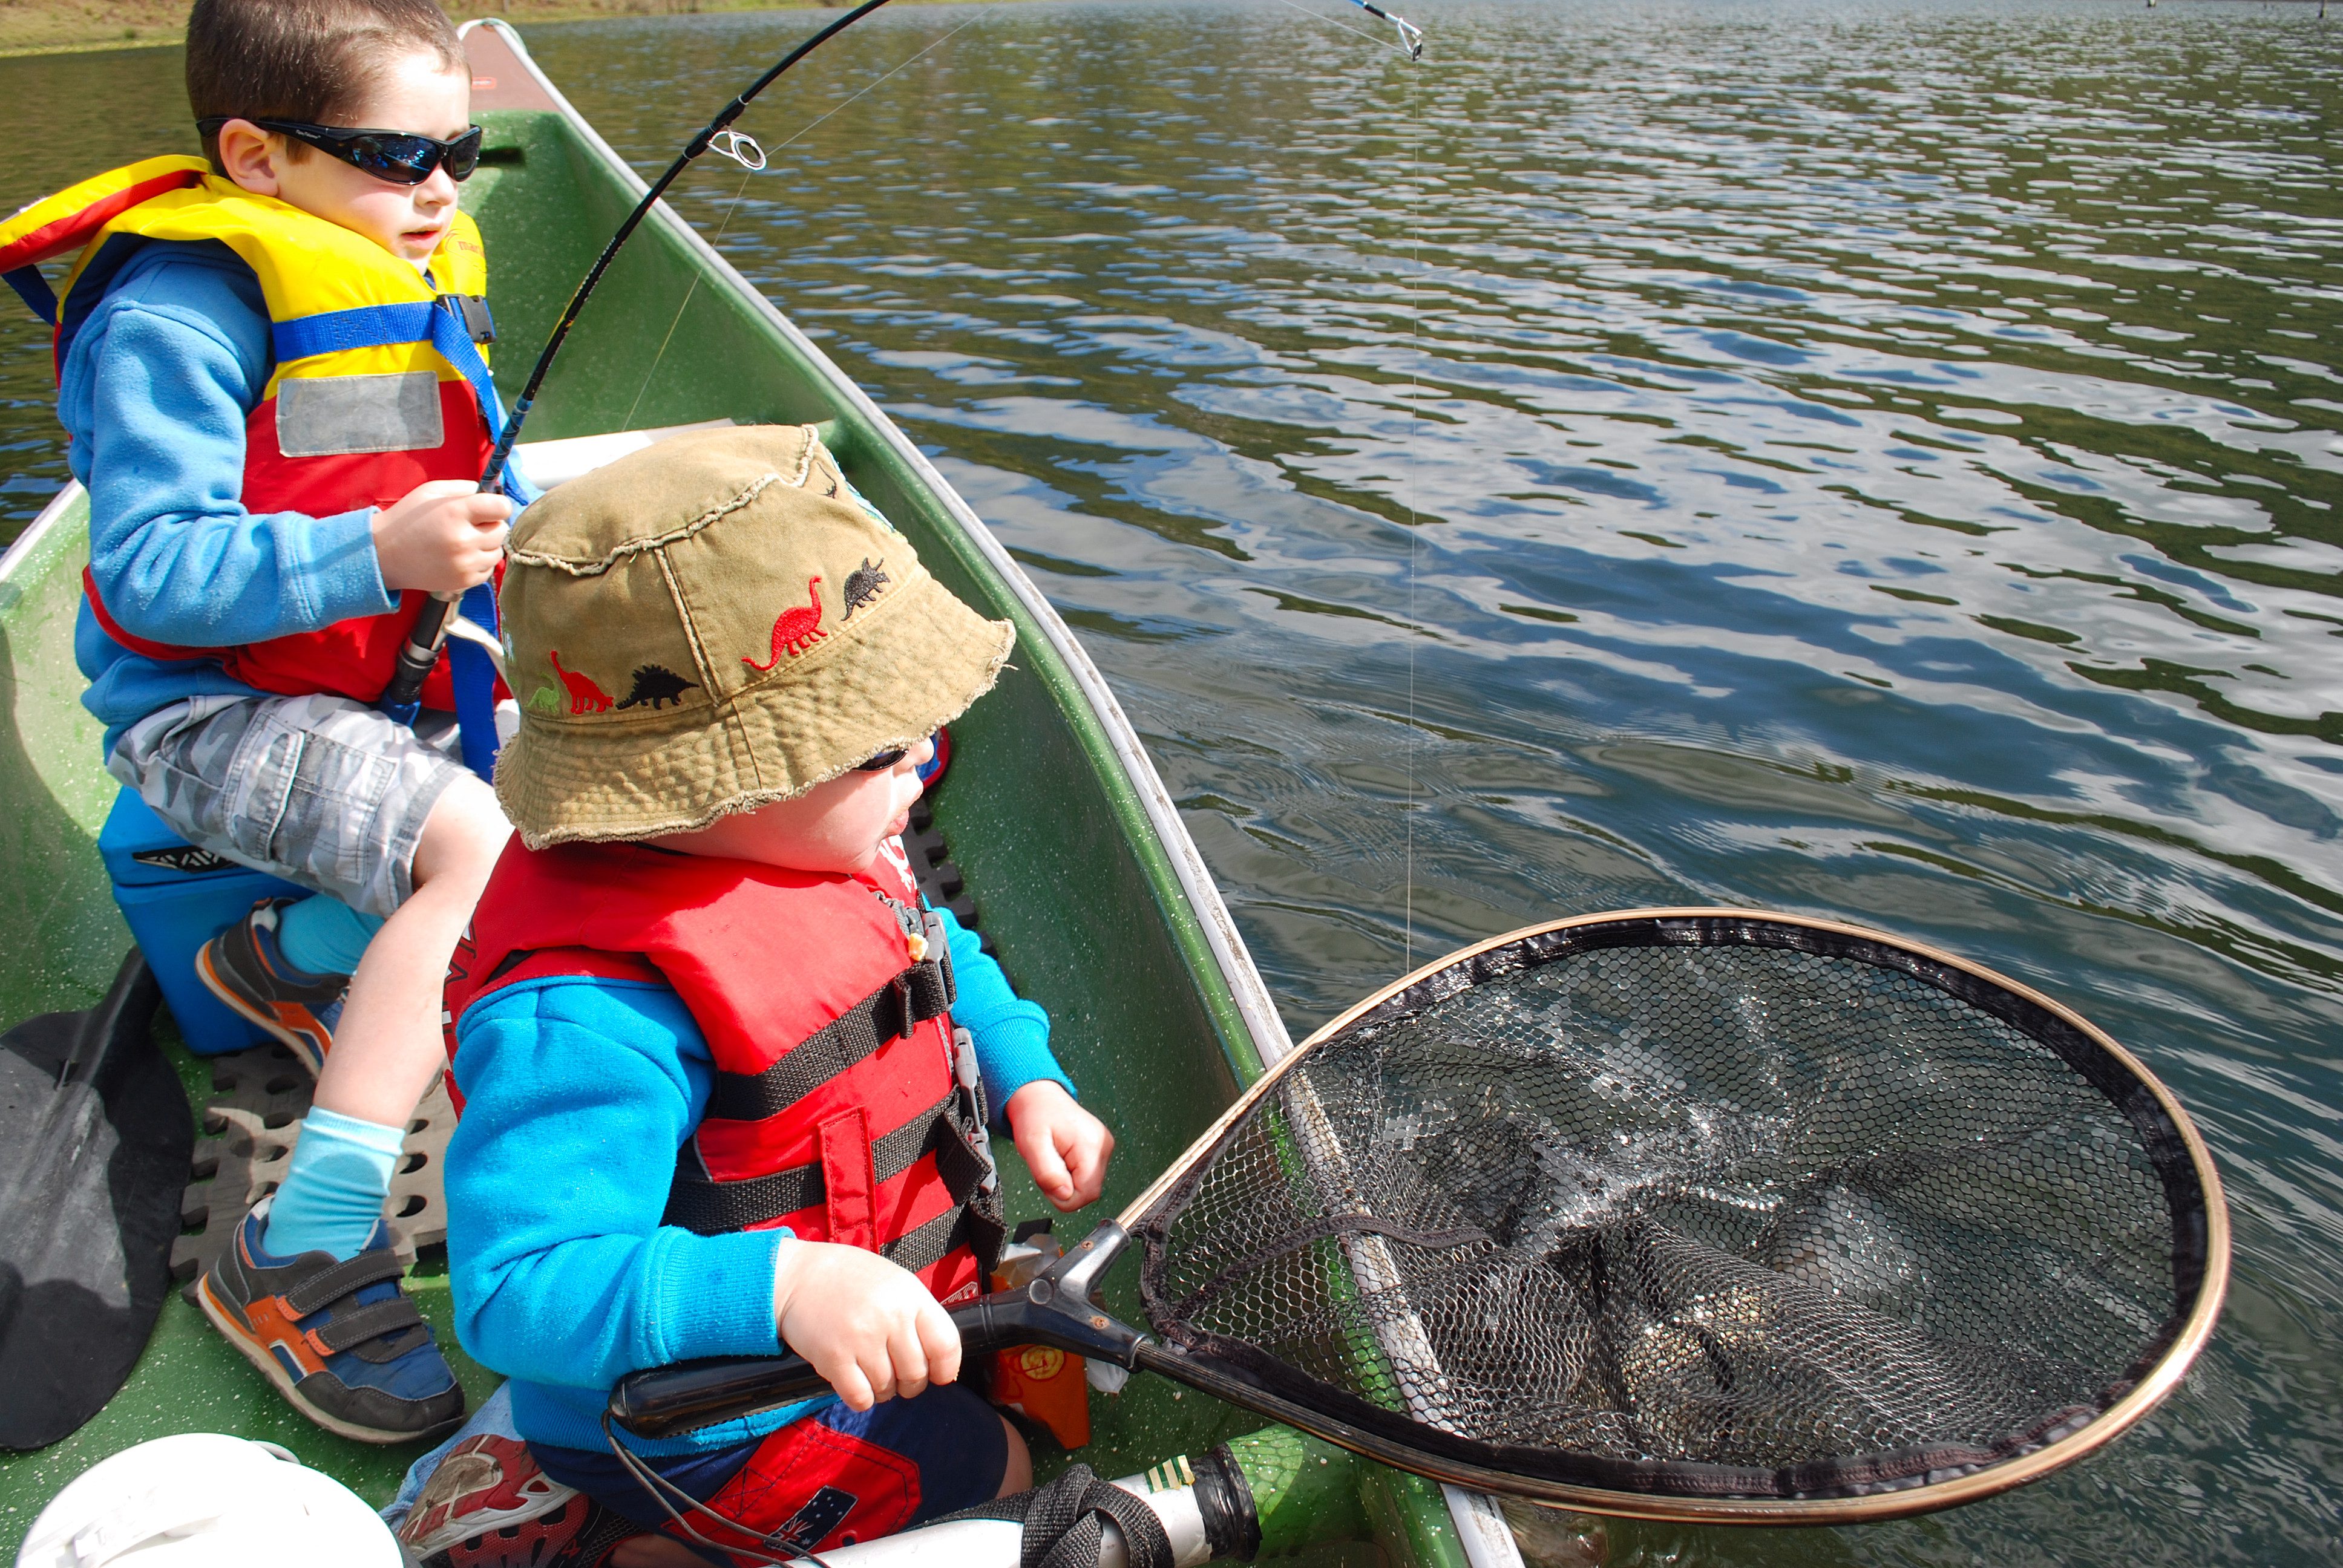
x=1872, y=460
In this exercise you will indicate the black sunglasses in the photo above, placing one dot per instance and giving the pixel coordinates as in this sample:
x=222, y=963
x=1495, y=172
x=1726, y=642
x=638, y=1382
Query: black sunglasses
x=883, y=761
x=399, y=156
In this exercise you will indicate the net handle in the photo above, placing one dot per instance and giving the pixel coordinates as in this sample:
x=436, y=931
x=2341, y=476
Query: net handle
x=2149, y=1391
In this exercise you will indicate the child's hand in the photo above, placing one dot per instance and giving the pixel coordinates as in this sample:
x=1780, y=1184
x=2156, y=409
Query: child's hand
x=868, y=1326
x=443, y=535
x=1064, y=1146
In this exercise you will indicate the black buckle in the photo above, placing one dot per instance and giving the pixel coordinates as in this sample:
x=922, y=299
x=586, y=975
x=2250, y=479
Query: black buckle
x=472, y=309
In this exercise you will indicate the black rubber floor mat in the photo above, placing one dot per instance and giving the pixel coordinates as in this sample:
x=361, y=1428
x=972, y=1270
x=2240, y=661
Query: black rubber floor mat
x=252, y=1124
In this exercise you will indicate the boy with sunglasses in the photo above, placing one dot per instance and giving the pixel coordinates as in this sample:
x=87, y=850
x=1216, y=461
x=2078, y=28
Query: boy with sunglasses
x=269, y=366
x=721, y=1067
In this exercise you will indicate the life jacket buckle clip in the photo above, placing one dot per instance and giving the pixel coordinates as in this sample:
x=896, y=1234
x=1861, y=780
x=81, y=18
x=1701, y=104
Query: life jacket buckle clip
x=472, y=310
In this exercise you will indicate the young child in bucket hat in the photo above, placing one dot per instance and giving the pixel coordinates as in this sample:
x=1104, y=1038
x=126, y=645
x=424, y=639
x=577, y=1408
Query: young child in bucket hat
x=725, y=1076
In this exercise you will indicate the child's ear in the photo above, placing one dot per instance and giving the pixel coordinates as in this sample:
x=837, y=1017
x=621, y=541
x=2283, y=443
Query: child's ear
x=251, y=157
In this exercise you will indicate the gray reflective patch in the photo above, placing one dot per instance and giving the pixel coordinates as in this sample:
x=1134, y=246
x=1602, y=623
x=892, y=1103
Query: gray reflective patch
x=326, y=416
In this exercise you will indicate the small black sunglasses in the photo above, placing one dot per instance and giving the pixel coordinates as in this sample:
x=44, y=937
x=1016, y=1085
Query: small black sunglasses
x=883, y=761
x=399, y=156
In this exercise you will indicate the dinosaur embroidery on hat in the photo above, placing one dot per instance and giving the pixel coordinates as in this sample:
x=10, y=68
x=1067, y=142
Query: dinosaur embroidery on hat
x=863, y=586
x=799, y=628
x=545, y=699
x=658, y=685
x=585, y=696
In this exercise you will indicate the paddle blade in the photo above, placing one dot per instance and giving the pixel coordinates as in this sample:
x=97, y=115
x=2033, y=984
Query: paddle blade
x=95, y=1137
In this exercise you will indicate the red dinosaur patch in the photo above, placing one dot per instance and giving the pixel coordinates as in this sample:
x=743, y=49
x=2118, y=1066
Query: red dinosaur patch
x=585, y=696
x=799, y=628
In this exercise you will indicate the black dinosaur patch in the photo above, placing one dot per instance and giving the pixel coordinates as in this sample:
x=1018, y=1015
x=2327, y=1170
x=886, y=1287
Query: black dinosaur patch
x=863, y=586
x=658, y=685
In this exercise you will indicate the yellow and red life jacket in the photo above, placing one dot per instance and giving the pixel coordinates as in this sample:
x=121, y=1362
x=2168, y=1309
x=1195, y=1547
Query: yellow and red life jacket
x=837, y=1107
x=379, y=383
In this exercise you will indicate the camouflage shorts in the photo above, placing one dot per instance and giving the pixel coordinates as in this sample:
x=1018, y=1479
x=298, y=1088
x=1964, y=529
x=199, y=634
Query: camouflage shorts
x=322, y=791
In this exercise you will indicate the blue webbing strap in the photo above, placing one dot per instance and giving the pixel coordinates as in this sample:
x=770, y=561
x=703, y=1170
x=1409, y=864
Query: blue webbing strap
x=468, y=664
x=365, y=327
x=440, y=324
x=454, y=341
x=33, y=290
x=433, y=322
x=475, y=679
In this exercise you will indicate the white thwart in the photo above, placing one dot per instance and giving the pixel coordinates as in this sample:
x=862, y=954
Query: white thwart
x=546, y=464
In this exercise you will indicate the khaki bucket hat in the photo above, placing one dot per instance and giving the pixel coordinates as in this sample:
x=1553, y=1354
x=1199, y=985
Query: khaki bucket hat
x=712, y=623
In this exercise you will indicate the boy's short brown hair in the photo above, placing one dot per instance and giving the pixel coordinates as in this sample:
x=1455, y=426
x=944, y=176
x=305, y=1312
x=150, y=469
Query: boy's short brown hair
x=311, y=60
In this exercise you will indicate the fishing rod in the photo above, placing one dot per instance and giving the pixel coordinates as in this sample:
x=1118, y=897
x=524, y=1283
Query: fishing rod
x=401, y=698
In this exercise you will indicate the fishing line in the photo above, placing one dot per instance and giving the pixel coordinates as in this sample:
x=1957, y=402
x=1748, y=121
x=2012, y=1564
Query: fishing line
x=1414, y=488
x=661, y=1488
x=1411, y=43
x=763, y=156
x=747, y=173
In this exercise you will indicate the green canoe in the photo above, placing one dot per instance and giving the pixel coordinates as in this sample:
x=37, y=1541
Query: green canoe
x=1088, y=884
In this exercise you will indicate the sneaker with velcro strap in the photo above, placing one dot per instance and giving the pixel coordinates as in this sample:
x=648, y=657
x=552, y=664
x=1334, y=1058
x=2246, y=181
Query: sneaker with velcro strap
x=338, y=1337
x=245, y=968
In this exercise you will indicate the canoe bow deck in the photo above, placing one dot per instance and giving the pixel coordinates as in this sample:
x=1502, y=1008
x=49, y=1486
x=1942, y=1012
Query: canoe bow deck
x=1088, y=885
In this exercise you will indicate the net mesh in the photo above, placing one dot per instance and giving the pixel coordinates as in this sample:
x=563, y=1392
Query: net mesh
x=1723, y=1217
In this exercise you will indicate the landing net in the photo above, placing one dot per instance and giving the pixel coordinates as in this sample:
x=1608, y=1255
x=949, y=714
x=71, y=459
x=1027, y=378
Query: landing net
x=1707, y=1206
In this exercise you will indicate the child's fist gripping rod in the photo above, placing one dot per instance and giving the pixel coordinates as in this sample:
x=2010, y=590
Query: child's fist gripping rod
x=445, y=536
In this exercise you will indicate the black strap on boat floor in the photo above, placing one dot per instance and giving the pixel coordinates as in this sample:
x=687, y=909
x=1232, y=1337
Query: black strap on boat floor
x=94, y=1155
x=1065, y=1522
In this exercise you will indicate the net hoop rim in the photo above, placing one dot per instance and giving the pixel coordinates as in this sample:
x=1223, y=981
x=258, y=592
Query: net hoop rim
x=2145, y=1395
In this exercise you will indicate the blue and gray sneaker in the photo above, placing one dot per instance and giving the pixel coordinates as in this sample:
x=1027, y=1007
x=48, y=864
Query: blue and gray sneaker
x=338, y=1339
x=244, y=966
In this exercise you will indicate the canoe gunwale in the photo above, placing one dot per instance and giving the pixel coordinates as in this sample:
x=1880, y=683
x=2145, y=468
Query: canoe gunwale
x=21, y=549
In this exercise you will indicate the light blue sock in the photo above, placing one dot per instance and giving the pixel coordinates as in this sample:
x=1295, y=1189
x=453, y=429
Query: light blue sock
x=324, y=936
x=334, y=1188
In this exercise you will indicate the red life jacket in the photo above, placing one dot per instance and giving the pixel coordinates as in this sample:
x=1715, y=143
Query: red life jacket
x=380, y=381
x=837, y=1108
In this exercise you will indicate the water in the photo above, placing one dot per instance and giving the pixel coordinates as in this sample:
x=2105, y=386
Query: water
x=1871, y=461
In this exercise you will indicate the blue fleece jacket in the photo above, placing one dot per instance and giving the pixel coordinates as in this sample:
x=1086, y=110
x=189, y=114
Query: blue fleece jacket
x=578, y=1093
x=154, y=397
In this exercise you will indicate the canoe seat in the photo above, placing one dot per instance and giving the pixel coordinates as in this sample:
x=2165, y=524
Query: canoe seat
x=176, y=898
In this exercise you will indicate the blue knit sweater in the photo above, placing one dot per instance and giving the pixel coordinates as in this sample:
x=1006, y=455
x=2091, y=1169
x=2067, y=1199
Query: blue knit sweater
x=578, y=1093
